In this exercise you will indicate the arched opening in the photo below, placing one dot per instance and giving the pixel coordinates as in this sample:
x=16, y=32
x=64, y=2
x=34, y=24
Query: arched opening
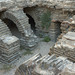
x=32, y=23
x=58, y=28
x=13, y=28
x=55, y=30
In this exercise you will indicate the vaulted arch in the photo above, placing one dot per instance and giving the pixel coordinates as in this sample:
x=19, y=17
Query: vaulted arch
x=18, y=17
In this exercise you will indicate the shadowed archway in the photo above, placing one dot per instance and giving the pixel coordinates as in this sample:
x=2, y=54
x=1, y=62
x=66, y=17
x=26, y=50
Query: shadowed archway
x=13, y=28
x=32, y=23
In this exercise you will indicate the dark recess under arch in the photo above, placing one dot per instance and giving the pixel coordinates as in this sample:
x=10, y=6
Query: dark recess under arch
x=32, y=23
x=13, y=28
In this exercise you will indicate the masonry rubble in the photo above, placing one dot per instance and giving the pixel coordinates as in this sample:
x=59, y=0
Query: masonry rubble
x=46, y=65
x=30, y=39
x=65, y=46
x=66, y=26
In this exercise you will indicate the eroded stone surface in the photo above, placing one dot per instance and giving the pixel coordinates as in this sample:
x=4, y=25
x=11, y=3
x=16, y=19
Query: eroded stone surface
x=46, y=65
x=65, y=46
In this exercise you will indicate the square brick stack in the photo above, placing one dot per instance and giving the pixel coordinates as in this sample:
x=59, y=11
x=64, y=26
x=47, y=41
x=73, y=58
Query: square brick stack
x=65, y=46
x=9, y=49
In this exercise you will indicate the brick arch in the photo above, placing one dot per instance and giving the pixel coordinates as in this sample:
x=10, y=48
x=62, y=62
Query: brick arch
x=18, y=17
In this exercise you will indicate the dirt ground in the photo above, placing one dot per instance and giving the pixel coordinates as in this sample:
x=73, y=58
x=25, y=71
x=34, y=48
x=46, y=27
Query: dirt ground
x=42, y=48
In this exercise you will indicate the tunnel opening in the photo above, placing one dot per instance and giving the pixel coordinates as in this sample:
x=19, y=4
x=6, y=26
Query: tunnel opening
x=32, y=23
x=55, y=30
x=13, y=28
x=59, y=28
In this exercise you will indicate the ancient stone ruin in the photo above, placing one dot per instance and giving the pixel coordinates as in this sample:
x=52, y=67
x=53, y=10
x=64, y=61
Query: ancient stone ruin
x=23, y=22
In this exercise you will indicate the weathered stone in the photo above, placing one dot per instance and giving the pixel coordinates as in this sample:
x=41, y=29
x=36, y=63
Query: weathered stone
x=57, y=67
x=65, y=46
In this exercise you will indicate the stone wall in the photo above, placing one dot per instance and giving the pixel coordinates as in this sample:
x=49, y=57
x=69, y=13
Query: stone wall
x=56, y=14
x=36, y=13
x=36, y=8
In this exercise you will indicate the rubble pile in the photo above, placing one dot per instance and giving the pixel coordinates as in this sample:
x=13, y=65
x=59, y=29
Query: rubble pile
x=65, y=46
x=46, y=65
x=30, y=40
x=64, y=29
x=67, y=26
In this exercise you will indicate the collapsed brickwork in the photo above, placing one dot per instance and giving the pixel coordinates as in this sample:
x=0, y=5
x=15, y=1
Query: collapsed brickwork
x=46, y=65
x=68, y=25
x=65, y=46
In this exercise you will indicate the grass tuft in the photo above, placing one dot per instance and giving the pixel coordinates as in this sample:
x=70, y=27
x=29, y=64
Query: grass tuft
x=46, y=39
x=27, y=52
